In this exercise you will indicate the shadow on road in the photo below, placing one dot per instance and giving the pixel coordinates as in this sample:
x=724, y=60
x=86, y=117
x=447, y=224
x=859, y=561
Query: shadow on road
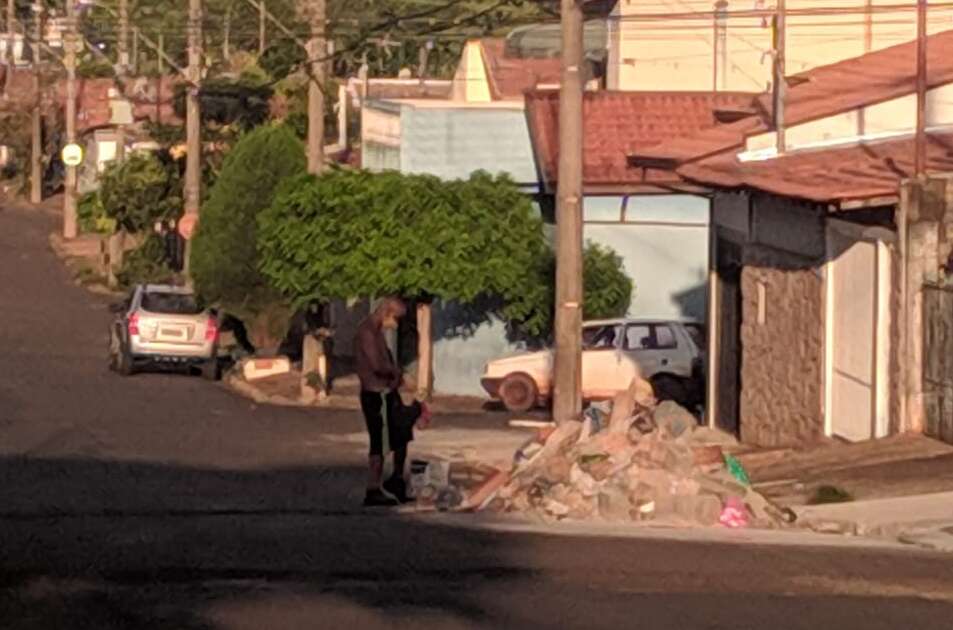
x=140, y=545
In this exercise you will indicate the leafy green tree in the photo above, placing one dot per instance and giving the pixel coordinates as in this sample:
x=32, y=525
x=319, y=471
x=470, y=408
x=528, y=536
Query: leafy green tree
x=139, y=191
x=351, y=234
x=607, y=290
x=224, y=260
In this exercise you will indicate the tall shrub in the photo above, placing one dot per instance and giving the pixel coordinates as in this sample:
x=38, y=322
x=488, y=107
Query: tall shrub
x=224, y=253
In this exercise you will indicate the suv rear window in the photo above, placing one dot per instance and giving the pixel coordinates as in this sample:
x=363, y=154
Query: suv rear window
x=170, y=303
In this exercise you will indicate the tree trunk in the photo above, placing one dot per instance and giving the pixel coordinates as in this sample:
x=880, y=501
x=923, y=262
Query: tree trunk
x=424, y=350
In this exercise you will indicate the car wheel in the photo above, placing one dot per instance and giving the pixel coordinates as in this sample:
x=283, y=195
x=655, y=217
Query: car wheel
x=670, y=388
x=210, y=370
x=518, y=392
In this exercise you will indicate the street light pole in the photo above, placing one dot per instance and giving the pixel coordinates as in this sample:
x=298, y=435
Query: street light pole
x=567, y=395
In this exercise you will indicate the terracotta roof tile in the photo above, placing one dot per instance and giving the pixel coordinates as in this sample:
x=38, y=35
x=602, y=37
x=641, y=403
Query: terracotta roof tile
x=825, y=91
x=512, y=77
x=833, y=175
x=620, y=123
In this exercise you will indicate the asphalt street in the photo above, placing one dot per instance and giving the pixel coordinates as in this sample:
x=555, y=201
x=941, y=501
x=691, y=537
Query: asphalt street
x=161, y=501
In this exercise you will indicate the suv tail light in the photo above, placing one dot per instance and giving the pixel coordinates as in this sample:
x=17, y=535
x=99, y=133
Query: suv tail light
x=211, y=330
x=133, y=324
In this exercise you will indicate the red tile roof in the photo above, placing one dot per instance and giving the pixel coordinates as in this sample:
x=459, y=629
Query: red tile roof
x=512, y=77
x=825, y=91
x=148, y=97
x=620, y=123
x=834, y=175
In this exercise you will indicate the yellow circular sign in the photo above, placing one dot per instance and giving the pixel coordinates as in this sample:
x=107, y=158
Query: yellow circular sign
x=72, y=154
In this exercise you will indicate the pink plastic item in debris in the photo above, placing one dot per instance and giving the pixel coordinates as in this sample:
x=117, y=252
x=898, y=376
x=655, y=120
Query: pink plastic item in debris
x=734, y=514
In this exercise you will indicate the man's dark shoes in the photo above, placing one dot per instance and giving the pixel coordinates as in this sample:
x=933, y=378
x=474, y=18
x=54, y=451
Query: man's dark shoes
x=376, y=498
x=397, y=488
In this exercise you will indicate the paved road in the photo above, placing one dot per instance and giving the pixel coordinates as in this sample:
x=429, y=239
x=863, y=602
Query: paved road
x=161, y=502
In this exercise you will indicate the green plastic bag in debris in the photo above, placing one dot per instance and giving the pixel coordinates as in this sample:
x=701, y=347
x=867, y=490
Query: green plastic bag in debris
x=737, y=470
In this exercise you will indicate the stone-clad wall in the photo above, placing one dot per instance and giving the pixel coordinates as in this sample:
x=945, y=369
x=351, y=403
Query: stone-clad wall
x=782, y=389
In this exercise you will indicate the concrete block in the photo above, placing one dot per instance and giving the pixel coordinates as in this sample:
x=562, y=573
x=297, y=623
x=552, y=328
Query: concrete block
x=255, y=369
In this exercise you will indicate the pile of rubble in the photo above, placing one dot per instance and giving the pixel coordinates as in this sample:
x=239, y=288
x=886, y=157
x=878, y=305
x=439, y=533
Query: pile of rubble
x=636, y=461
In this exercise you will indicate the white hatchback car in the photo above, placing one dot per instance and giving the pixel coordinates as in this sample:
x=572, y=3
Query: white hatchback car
x=667, y=353
x=163, y=324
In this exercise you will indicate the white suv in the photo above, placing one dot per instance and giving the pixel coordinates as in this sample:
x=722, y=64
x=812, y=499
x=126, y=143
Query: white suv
x=667, y=353
x=163, y=324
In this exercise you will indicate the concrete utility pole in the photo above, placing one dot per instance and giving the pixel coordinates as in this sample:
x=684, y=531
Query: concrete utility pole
x=920, y=140
x=317, y=52
x=123, y=43
x=122, y=71
x=8, y=53
x=262, y=23
x=36, y=122
x=193, y=126
x=69, y=195
x=567, y=395
x=780, y=83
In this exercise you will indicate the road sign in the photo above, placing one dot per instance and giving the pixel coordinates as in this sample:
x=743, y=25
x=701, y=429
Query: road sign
x=72, y=155
x=187, y=226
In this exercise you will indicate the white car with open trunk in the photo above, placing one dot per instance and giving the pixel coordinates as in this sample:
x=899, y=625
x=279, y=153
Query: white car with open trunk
x=669, y=354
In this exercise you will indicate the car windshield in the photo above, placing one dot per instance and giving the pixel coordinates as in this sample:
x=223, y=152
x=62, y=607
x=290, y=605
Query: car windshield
x=170, y=303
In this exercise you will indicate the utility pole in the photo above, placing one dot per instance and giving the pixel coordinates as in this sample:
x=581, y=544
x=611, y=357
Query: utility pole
x=8, y=49
x=36, y=122
x=317, y=52
x=69, y=194
x=123, y=43
x=780, y=83
x=193, y=127
x=122, y=71
x=262, y=23
x=919, y=142
x=567, y=395
x=227, y=35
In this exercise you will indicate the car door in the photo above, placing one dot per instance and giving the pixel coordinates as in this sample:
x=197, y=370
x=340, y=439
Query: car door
x=655, y=348
x=606, y=370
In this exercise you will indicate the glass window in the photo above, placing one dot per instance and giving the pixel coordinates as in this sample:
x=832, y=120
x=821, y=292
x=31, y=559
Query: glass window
x=638, y=337
x=170, y=303
x=600, y=337
x=664, y=338
x=602, y=209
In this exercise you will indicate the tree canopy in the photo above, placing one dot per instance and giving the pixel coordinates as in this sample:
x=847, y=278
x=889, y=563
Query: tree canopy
x=224, y=255
x=351, y=234
x=139, y=191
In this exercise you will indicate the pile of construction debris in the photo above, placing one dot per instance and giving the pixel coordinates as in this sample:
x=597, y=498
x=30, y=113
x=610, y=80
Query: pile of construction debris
x=636, y=461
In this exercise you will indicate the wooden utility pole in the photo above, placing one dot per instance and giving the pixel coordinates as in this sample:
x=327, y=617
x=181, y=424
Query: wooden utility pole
x=780, y=83
x=262, y=23
x=567, y=395
x=317, y=53
x=227, y=35
x=8, y=49
x=69, y=194
x=919, y=142
x=193, y=126
x=36, y=122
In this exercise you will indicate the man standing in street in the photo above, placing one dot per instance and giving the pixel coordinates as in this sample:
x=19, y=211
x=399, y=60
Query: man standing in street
x=382, y=406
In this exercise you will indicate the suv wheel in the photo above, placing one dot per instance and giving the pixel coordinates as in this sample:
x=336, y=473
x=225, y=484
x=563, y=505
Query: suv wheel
x=518, y=393
x=210, y=370
x=119, y=358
